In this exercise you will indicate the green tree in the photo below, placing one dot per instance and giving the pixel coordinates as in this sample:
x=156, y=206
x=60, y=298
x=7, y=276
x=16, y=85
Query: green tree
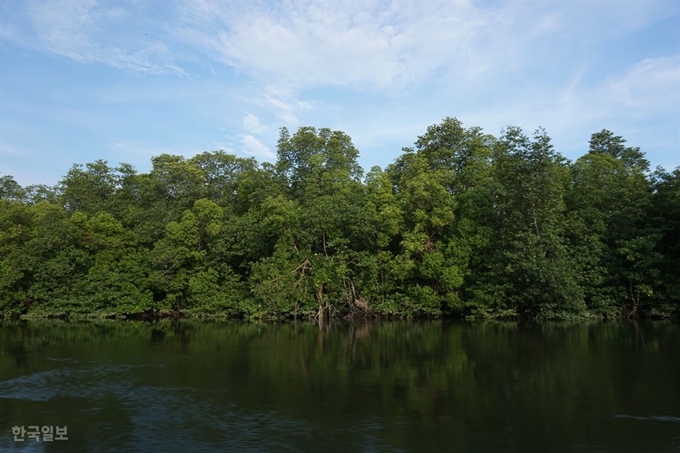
x=533, y=255
x=89, y=189
x=609, y=203
x=10, y=189
x=664, y=219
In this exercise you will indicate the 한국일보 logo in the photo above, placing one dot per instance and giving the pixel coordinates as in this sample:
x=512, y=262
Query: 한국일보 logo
x=40, y=433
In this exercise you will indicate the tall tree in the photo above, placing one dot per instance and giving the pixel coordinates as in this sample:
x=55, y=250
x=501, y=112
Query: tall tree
x=533, y=254
x=89, y=189
x=610, y=201
x=665, y=219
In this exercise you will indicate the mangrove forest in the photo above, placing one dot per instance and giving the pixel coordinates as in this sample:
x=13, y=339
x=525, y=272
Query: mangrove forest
x=462, y=224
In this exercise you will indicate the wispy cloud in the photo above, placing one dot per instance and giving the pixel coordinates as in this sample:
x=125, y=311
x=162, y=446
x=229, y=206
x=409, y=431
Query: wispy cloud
x=653, y=83
x=89, y=31
x=11, y=150
x=251, y=123
x=527, y=61
x=254, y=147
x=381, y=70
x=303, y=43
x=285, y=106
x=298, y=44
x=393, y=43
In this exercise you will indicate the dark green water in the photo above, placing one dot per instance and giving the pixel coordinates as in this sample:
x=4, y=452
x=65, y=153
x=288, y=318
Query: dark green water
x=436, y=386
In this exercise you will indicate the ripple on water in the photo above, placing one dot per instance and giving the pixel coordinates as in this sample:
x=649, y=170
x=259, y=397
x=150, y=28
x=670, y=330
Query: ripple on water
x=661, y=418
x=66, y=382
x=153, y=409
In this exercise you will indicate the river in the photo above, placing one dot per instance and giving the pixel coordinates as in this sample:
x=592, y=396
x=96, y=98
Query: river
x=201, y=386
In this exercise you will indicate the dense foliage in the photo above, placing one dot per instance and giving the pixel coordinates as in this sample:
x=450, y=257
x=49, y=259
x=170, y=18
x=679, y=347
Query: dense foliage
x=462, y=224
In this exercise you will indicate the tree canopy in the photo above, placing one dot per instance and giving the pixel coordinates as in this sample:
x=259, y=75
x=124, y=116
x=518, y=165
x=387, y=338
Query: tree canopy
x=462, y=224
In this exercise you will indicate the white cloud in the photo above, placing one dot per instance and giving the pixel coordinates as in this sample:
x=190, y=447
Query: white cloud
x=634, y=104
x=652, y=84
x=89, y=31
x=297, y=44
x=256, y=148
x=285, y=106
x=491, y=63
x=11, y=150
x=392, y=43
x=397, y=47
x=251, y=123
x=282, y=103
x=302, y=44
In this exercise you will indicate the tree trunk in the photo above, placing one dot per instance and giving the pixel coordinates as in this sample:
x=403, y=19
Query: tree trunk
x=319, y=299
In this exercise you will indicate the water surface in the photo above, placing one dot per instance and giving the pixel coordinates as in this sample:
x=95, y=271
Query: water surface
x=191, y=386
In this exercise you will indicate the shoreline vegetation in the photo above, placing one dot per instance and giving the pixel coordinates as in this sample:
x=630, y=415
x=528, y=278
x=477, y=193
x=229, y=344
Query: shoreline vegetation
x=462, y=224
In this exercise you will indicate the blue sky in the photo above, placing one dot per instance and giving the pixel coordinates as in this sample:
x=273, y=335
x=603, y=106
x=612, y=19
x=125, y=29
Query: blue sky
x=82, y=80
